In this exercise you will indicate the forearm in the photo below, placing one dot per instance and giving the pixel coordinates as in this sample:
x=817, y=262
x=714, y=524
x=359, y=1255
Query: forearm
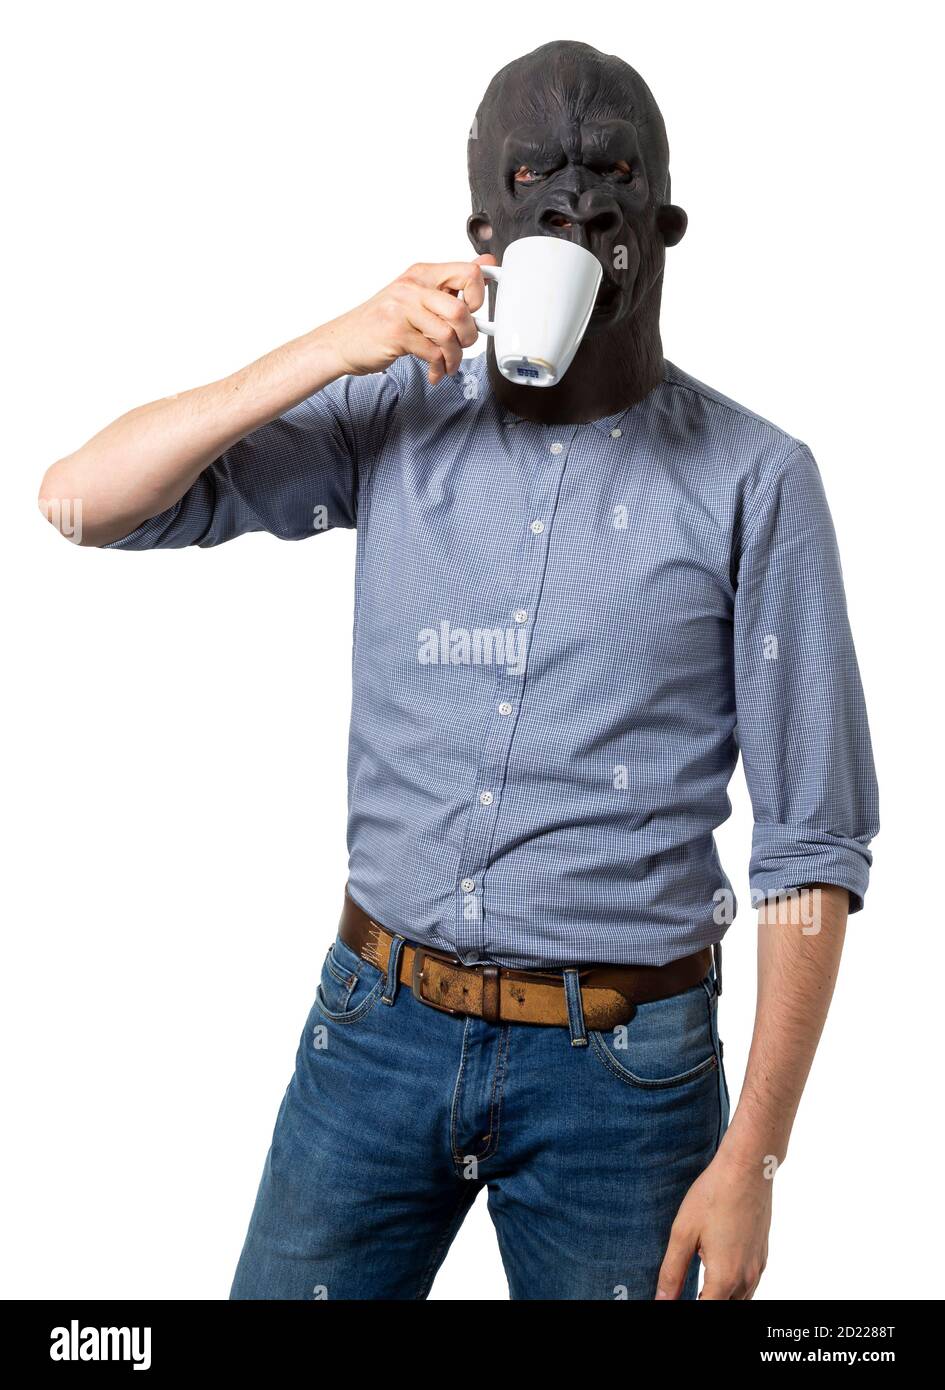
x=799, y=945
x=146, y=460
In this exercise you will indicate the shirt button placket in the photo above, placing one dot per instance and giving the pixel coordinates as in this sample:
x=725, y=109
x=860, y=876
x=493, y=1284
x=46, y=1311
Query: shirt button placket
x=541, y=501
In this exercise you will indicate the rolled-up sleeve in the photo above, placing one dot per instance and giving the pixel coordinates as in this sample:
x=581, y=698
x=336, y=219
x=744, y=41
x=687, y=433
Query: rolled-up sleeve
x=295, y=477
x=802, y=724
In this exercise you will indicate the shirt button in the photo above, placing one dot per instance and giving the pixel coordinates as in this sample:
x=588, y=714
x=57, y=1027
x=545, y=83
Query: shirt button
x=485, y=798
x=557, y=447
x=505, y=707
x=468, y=885
x=520, y=615
x=615, y=434
x=538, y=527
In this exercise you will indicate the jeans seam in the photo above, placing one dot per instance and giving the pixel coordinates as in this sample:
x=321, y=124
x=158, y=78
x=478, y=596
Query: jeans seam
x=719, y=1079
x=335, y=971
x=498, y=1087
x=457, y=1157
x=356, y=1014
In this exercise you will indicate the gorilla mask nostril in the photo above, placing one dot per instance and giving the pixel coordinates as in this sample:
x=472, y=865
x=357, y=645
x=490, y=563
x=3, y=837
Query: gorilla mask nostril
x=559, y=221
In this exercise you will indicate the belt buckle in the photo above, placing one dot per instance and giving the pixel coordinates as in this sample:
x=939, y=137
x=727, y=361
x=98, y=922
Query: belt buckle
x=416, y=983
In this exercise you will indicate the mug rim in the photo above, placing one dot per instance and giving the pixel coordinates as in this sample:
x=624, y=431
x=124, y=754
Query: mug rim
x=559, y=241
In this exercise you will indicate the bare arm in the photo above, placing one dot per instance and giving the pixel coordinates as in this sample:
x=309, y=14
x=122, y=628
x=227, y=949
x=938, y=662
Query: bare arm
x=799, y=946
x=727, y=1212
x=147, y=459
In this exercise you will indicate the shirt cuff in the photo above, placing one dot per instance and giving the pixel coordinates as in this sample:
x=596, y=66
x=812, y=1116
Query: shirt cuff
x=779, y=863
x=149, y=534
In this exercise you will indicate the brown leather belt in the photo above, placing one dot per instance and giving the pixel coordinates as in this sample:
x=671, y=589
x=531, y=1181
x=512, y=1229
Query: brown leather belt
x=609, y=993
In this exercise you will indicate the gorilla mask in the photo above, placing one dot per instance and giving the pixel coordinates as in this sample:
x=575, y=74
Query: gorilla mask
x=569, y=142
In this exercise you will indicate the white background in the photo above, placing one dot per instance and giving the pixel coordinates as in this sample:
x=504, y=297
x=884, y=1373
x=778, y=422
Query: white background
x=193, y=184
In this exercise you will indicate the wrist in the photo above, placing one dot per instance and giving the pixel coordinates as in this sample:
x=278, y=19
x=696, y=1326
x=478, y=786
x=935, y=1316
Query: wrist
x=751, y=1155
x=324, y=353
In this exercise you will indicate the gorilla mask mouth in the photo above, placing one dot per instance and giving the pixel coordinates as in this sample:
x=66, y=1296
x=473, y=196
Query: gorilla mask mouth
x=609, y=298
x=621, y=260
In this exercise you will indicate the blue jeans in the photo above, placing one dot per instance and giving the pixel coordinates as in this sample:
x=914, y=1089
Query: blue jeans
x=398, y=1116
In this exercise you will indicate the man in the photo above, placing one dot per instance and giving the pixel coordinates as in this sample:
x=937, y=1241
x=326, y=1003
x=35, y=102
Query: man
x=574, y=606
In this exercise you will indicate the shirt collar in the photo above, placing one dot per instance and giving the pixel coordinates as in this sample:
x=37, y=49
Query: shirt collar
x=611, y=422
x=607, y=424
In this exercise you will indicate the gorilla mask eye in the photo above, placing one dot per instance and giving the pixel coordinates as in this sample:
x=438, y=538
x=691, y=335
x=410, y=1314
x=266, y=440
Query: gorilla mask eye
x=525, y=175
x=619, y=169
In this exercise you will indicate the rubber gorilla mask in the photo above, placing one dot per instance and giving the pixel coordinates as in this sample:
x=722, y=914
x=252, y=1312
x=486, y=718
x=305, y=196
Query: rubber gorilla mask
x=568, y=142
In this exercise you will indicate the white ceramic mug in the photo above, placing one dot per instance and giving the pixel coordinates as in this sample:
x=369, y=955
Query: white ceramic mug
x=545, y=297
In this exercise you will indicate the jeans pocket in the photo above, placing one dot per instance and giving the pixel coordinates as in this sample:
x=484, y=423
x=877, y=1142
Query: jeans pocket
x=668, y=1043
x=349, y=986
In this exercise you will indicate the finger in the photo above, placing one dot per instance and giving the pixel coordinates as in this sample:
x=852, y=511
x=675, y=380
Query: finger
x=456, y=313
x=474, y=290
x=439, y=332
x=445, y=275
x=676, y=1261
x=477, y=303
x=719, y=1287
x=461, y=277
x=438, y=329
x=420, y=346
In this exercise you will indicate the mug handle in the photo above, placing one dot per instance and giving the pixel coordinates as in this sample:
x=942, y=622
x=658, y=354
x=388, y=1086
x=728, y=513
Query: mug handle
x=489, y=272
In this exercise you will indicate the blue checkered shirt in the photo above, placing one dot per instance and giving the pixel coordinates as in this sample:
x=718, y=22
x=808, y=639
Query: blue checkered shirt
x=563, y=637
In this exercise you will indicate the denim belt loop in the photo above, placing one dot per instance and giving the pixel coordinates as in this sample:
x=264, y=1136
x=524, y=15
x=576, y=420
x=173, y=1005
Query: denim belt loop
x=572, y=992
x=717, y=961
x=393, y=964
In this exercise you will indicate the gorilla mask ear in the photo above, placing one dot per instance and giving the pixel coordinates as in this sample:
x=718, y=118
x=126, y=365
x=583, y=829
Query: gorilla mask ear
x=671, y=223
x=479, y=228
